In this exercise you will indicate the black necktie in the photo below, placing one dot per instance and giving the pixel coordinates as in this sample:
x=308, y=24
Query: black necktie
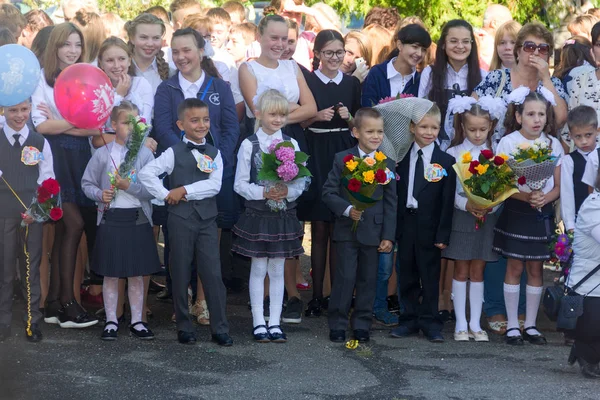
x=17, y=136
x=200, y=147
x=419, y=179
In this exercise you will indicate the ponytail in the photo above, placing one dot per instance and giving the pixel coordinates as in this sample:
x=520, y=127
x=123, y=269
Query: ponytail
x=209, y=67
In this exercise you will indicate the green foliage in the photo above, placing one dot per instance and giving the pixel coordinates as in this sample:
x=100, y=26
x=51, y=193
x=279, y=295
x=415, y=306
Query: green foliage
x=129, y=9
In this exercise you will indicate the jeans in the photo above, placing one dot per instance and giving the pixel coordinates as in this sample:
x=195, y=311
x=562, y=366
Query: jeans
x=384, y=271
x=493, y=295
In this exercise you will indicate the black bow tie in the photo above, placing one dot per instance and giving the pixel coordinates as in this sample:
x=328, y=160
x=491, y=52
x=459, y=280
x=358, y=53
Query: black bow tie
x=199, y=147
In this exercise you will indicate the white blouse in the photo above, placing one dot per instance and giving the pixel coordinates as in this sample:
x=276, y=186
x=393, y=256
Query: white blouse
x=122, y=198
x=141, y=94
x=452, y=78
x=43, y=94
x=586, y=246
x=283, y=78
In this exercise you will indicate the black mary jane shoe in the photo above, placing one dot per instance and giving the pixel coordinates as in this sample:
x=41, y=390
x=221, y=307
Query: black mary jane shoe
x=538, y=339
x=514, y=340
x=262, y=337
x=314, y=308
x=277, y=337
x=110, y=334
x=144, y=334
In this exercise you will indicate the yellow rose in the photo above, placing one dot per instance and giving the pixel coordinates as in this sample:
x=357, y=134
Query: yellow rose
x=369, y=176
x=370, y=161
x=466, y=157
x=379, y=156
x=481, y=168
x=351, y=165
x=504, y=156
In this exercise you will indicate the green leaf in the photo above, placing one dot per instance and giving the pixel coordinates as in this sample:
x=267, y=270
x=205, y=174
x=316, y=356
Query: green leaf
x=303, y=171
x=485, y=187
x=301, y=157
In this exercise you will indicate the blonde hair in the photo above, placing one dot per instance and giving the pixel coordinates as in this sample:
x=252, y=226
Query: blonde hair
x=326, y=12
x=93, y=31
x=58, y=37
x=363, y=44
x=271, y=101
x=114, y=41
x=114, y=25
x=380, y=39
x=125, y=106
x=149, y=19
x=582, y=24
x=511, y=28
x=248, y=30
x=196, y=22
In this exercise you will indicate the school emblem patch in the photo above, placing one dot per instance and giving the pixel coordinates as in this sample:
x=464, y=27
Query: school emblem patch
x=215, y=99
x=31, y=155
x=435, y=173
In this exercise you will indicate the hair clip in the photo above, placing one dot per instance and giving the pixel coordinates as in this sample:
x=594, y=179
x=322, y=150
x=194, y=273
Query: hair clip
x=569, y=42
x=269, y=13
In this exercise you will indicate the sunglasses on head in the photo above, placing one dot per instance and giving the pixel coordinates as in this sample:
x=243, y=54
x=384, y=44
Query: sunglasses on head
x=530, y=47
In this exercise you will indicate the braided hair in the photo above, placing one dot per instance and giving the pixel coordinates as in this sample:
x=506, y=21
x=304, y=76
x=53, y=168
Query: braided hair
x=323, y=39
x=149, y=19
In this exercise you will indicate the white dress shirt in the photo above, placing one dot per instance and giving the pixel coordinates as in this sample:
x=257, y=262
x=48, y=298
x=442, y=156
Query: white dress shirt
x=411, y=202
x=452, y=77
x=166, y=162
x=325, y=79
x=397, y=80
x=191, y=89
x=509, y=144
x=151, y=74
x=43, y=94
x=141, y=94
x=567, y=193
x=235, y=85
x=253, y=191
x=591, y=169
x=45, y=165
x=362, y=154
x=586, y=247
x=122, y=198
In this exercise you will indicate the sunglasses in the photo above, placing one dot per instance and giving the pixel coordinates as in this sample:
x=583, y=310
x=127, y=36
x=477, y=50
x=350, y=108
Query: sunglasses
x=530, y=47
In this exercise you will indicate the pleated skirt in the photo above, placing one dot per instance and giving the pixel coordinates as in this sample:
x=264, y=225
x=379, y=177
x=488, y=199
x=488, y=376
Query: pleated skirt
x=469, y=243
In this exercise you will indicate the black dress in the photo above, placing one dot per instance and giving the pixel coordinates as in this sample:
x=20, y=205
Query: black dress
x=325, y=139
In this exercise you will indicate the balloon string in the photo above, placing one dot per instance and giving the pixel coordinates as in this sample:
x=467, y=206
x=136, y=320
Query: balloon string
x=28, y=269
x=110, y=155
x=15, y=193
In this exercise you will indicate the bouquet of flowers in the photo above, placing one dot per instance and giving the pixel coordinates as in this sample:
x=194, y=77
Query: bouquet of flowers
x=398, y=96
x=281, y=165
x=535, y=162
x=361, y=176
x=487, y=181
x=46, y=203
x=562, y=251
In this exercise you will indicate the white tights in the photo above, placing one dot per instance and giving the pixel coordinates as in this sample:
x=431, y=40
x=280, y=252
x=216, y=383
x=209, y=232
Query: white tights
x=258, y=271
x=135, y=291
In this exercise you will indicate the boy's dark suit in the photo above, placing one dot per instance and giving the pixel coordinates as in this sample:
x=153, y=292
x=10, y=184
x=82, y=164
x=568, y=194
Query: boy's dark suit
x=357, y=251
x=418, y=232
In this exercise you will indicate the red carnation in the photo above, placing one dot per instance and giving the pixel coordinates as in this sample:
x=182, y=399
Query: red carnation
x=498, y=160
x=380, y=176
x=349, y=157
x=52, y=186
x=354, y=185
x=43, y=195
x=487, y=154
x=472, y=167
x=56, y=213
x=522, y=181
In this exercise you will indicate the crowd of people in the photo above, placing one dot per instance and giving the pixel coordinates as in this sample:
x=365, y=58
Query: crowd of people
x=220, y=92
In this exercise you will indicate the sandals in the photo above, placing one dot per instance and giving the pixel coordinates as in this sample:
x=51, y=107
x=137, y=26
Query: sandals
x=538, y=339
x=498, y=327
x=262, y=337
x=514, y=340
x=109, y=334
x=277, y=337
x=144, y=334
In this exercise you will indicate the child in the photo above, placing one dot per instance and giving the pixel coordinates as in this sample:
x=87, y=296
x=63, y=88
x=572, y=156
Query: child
x=240, y=38
x=425, y=208
x=181, y=9
x=220, y=23
x=583, y=130
x=357, y=251
x=125, y=246
x=24, y=179
x=195, y=170
x=269, y=237
x=236, y=11
x=470, y=247
x=522, y=233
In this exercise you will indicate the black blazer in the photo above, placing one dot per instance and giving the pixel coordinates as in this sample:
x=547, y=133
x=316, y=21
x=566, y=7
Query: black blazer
x=378, y=222
x=436, y=200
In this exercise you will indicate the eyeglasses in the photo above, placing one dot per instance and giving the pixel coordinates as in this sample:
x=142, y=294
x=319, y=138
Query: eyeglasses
x=530, y=47
x=456, y=42
x=331, y=53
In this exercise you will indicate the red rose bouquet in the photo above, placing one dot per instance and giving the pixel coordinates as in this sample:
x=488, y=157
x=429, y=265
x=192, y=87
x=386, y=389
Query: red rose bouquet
x=46, y=203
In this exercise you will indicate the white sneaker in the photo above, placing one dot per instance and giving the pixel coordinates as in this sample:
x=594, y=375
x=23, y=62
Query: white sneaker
x=480, y=336
x=461, y=336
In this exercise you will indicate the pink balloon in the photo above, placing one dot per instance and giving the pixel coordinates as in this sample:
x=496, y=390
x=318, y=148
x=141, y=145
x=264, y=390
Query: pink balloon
x=84, y=96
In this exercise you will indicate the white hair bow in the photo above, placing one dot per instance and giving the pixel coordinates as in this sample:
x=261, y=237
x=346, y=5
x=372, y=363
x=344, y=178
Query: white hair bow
x=460, y=104
x=518, y=95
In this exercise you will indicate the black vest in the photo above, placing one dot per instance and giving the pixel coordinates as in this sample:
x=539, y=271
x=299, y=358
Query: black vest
x=580, y=189
x=186, y=172
x=22, y=178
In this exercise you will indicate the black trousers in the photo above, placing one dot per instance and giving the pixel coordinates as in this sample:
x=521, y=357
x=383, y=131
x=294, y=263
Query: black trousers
x=587, y=333
x=419, y=276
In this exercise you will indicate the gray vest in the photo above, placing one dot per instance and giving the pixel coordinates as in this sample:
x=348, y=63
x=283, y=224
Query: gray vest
x=22, y=178
x=186, y=172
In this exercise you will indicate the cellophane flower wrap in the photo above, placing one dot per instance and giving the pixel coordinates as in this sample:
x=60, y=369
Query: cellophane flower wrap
x=282, y=165
x=361, y=177
x=534, y=162
x=487, y=181
x=46, y=204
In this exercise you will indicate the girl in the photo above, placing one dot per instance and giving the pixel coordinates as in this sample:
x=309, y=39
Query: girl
x=36, y=20
x=269, y=237
x=93, y=31
x=522, y=233
x=125, y=247
x=471, y=247
x=504, y=43
x=292, y=42
x=72, y=150
x=357, y=46
x=338, y=97
x=576, y=52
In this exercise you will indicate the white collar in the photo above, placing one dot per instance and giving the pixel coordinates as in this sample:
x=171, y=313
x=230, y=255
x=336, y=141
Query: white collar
x=185, y=84
x=470, y=146
x=337, y=80
x=427, y=150
x=363, y=154
x=153, y=65
x=263, y=137
x=464, y=70
x=583, y=153
x=392, y=71
x=186, y=140
x=9, y=132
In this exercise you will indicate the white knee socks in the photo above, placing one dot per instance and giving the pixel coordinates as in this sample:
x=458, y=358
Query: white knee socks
x=135, y=291
x=276, y=288
x=459, y=298
x=258, y=271
x=110, y=293
x=511, y=300
x=533, y=295
x=476, y=304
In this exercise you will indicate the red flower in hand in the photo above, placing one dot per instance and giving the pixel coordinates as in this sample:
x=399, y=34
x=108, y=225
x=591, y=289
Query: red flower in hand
x=380, y=176
x=43, y=195
x=472, y=167
x=522, y=181
x=498, y=160
x=487, y=154
x=52, y=186
x=349, y=157
x=354, y=185
x=56, y=213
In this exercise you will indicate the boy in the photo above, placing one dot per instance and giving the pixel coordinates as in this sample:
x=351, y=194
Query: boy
x=240, y=38
x=24, y=172
x=425, y=207
x=195, y=170
x=236, y=11
x=357, y=251
x=181, y=9
x=220, y=23
x=583, y=130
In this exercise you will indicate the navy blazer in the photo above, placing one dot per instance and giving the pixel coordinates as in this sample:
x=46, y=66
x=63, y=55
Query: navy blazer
x=224, y=126
x=377, y=85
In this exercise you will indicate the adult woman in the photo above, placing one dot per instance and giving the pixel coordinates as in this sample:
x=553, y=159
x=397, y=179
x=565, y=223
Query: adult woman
x=357, y=45
x=71, y=148
x=504, y=43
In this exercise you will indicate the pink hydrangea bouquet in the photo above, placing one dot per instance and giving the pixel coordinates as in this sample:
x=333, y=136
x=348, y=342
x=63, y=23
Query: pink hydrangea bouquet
x=398, y=96
x=281, y=165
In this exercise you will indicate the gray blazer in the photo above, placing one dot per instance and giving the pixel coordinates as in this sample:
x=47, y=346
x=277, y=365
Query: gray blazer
x=95, y=179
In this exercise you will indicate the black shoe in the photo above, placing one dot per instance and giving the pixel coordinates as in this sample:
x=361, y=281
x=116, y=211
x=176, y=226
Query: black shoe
x=361, y=335
x=144, y=334
x=222, y=339
x=72, y=315
x=51, y=312
x=337, y=336
x=109, y=334
x=4, y=333
x=393, y=304
x=435, y=337
x=514, y=340
x=403, y=331
x=164, y=295
x=325, y=303
x=36, y=334
x=277, y=337
x=293, y=311
x=538, y=339
x=444, y=315
x=262, y=337
x=155, y=287
x=314, y=308
x=186, y=337
x=589, y=370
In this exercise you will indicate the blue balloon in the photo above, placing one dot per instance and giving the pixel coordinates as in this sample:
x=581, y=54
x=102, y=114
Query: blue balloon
x=19, y=74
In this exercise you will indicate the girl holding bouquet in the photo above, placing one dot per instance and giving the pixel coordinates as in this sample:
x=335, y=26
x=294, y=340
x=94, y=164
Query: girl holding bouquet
x=526, y=225
x=266, y=235
x=471, y=239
